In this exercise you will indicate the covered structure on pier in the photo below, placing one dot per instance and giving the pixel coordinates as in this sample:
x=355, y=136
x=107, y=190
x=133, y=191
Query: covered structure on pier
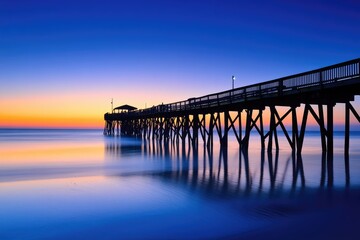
x=124, y=108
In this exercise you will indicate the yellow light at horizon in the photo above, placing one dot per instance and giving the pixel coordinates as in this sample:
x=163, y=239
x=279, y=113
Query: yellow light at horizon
x=67, y=110
x=78, y=109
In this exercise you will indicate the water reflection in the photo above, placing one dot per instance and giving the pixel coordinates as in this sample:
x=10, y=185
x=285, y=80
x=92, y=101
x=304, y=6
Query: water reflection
x=117, y=149
x=152, y=190
x=229, y=171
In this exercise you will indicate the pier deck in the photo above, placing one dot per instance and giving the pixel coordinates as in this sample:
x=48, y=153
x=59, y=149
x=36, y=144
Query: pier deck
x=221, y=112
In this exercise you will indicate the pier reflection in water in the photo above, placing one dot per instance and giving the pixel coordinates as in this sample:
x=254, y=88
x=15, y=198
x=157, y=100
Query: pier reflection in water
x=234, y=171
x=291, y=191
x=83, y=185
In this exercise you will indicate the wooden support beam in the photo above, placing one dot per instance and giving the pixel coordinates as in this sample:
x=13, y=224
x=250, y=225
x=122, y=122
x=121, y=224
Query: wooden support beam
x=118, y=128
x=190, y=126
x=161, y=128
x=211, y=130
x=318, y=118
x=202, y=127
x=218, y=125
x=224, y=140
x=279, y=120
x=232, y=125
x=262, y=129
x=330, y=143
x=166, y=128
x=149, y=128
x=245, y=140
x=295, y=131
x=210, y=151
x=282, y=126
x=154, y=128
x=254, y=123
x=354, y=112
x=171, y=128
x=179, y=126
x=195, y=128
x=347, y=144
x=276, y=139
x=322, y=127
x=240, y=129
x=272, y=127
x=185, y=128
x=303, y=127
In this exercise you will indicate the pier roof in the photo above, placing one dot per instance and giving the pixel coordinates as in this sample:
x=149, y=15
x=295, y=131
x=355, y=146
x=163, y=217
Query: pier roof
x=125, y=107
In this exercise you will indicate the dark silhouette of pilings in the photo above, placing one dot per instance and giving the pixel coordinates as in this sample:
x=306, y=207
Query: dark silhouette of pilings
x=252, y=110
x=195, y=127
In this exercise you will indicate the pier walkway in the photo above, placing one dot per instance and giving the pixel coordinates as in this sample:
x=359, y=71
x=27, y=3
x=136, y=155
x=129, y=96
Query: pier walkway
x=201, y=117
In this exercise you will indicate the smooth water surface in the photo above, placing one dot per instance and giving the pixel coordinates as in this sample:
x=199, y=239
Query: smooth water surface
x=67, y=184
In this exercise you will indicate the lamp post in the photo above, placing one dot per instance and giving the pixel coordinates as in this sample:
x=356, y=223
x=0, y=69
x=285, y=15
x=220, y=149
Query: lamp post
x=233, y=80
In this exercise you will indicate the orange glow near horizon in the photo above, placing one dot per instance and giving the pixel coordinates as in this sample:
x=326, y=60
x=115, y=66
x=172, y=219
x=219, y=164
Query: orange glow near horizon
x=71, y=109
x=77, y=109
x=86, y=119
x=51, y=111
x=50, y=122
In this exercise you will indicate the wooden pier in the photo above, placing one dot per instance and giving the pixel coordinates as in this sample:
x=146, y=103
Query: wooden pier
x=318, y=91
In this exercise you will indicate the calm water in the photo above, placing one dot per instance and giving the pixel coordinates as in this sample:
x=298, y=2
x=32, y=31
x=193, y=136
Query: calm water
x=67, y=184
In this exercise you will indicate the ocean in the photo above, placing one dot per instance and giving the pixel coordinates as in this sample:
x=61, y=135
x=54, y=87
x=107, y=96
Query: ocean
x=79, y=184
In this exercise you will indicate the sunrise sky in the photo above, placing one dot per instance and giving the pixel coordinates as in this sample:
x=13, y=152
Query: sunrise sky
x=61, y=61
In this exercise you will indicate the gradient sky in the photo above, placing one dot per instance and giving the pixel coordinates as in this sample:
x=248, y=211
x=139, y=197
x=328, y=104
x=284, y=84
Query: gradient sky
x=62, y=61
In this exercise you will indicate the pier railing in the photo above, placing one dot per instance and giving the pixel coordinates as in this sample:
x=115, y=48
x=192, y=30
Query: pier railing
x=315, y=79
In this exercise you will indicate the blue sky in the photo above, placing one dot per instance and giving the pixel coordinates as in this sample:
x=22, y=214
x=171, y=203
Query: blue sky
x=141, y=51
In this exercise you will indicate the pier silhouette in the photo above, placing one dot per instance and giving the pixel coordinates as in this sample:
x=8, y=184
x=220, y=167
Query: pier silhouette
x=218, y=113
